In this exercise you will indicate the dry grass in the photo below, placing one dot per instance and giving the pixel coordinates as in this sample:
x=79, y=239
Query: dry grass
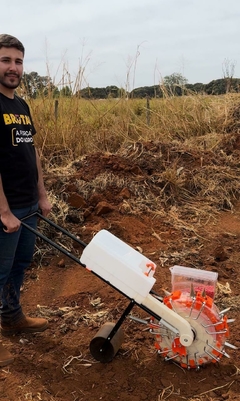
x=84, y=126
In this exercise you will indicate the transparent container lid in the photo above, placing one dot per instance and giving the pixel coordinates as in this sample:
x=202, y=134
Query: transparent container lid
x=186, y=278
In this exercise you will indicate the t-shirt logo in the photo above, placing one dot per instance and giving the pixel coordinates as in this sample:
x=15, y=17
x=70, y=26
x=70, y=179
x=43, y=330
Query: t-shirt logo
x=21, y=133
x=16, y=119
x=21, y=136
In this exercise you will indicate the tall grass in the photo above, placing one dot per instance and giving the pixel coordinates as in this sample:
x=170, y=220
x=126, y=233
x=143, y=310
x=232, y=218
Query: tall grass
x=84, y=126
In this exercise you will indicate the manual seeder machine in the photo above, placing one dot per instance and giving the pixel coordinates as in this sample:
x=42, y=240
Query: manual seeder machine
x=187, y=325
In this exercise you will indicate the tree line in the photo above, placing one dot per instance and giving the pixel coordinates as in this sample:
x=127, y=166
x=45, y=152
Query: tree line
x=34, y=85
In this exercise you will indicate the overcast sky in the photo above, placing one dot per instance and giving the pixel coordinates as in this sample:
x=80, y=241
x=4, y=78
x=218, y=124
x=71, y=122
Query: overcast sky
x=127, y=43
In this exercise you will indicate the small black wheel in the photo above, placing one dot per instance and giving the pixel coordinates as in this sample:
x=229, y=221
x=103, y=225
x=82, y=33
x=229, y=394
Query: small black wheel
x=102, y=350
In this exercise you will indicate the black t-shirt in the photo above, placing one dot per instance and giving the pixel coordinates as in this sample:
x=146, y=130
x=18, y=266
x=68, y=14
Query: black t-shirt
x=18, y=166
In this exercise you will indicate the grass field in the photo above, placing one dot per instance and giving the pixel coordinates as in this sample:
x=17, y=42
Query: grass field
x=71, y=127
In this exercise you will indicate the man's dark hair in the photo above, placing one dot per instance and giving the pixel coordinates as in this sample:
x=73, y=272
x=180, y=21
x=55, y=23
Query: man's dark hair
x=10, y=41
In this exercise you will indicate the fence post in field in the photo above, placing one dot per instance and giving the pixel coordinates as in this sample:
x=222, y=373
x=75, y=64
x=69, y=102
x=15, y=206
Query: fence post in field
x=56, y=109
x=148, y=110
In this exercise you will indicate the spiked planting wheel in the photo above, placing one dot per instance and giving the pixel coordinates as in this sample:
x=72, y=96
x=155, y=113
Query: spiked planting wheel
x=209, y=327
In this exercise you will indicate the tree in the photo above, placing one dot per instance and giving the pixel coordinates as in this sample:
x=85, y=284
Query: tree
x=66, y=91
x=215, y=87
x=112, y=91
x=100, y=93
x=218, y=86
x=147, y=92
x=173, y=84
x=175, y=79
x=35, y=85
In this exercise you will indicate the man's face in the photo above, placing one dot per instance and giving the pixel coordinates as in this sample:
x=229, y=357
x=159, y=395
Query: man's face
x=11, y=67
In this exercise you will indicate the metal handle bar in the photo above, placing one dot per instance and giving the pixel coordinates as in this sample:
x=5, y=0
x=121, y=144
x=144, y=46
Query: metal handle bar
x=49, y=241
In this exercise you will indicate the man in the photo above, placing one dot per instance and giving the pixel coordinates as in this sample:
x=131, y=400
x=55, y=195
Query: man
x=22, y=192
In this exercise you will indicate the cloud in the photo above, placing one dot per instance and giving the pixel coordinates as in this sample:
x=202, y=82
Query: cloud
x=156, y=37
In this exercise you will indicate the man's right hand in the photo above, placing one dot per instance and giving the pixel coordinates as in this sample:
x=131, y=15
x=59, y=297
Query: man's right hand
x=10, y=223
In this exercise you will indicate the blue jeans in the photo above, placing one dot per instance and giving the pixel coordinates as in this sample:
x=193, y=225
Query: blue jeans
x=16, y=252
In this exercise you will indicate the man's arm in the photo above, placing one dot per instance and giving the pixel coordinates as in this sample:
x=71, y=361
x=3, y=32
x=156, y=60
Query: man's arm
x=10, y=222
x=43, y=201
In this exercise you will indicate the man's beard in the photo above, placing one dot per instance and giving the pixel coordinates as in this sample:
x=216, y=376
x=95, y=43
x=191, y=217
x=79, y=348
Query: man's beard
x=5, y=81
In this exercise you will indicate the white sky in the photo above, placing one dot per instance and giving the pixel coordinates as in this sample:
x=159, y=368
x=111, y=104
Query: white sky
x=127, y=43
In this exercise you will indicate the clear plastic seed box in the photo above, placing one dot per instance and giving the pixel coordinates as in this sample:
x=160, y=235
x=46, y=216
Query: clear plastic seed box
x=187, y=279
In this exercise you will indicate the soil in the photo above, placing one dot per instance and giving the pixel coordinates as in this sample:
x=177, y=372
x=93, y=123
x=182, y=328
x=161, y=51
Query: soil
x=57, y=365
